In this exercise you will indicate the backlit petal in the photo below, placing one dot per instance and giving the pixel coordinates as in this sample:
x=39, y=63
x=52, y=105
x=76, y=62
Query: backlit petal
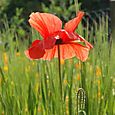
x=72, y=24
x=36, y=42
x=66, y=52
x=49, y=43
x=46, y=24
x=64, y=35
x=49, y=53
x=80, y=51
x=36, y=51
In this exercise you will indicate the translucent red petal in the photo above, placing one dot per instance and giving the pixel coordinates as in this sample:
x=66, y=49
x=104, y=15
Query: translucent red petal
x=36, y=51
x=72, y=24
x=36, y=42
x=49, y=43
x=81, y=52
x=49, y=53
x=66, y=52
x=46, y=24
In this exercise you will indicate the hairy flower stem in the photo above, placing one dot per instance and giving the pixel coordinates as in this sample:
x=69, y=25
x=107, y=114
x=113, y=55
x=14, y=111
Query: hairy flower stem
x=59, y=65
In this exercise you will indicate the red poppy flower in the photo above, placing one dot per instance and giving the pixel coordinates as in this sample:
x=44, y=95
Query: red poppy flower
x=50, y=28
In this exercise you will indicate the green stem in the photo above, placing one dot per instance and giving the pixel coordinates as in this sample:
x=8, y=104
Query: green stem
x=59, y=65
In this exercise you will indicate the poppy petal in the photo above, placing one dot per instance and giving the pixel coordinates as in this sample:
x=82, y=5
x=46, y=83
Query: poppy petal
x=49, y=54
x=80, y=51
x=46, y=24
x=72, y=24
x=36, y=42
x=66, y=51
x=49, y=43
x=65, y=36
x=36, y=51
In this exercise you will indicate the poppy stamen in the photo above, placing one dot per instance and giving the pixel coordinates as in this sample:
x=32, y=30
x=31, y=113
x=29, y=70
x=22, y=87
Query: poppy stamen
x=58, y=41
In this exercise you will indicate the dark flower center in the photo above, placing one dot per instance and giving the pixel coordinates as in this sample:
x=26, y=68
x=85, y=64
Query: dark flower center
x=58, y=41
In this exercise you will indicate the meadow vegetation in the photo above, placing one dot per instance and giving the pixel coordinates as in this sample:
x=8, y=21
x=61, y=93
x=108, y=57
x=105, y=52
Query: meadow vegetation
x=32, y=88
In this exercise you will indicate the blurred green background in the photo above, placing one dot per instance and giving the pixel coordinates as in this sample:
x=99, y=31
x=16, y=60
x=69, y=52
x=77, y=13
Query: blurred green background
x=9, y=6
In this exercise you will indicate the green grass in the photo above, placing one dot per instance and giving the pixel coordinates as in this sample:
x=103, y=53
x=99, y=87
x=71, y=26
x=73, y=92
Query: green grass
x=32, y=87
